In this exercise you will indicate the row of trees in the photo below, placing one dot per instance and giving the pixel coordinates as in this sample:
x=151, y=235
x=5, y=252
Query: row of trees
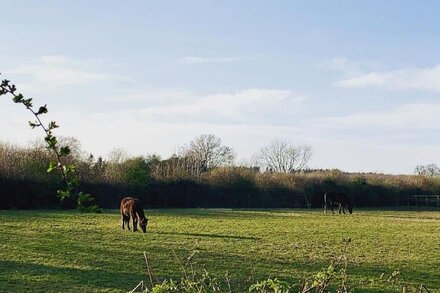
x=177, y=182
x=207, y=152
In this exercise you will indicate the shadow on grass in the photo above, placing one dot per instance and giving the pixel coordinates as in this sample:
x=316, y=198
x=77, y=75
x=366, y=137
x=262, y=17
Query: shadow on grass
x=399, y=209
x=223, y=214
x=207, y=235
x=29, y=277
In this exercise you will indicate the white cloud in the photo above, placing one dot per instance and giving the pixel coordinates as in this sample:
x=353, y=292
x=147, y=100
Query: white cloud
x=156, y=96
x=245, y=120
x=198, y=60
x=427, y=79
x=407, y=116
x=55, y=59
x=247, y=106
x=53, y=72
x=348, y=67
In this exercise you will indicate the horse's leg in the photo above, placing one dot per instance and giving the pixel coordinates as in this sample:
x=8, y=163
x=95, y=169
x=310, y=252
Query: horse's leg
x=134, y=218
x=331, y=207
x=126, y=222
x=340, y=208
x=343, y=209
x=123, y=222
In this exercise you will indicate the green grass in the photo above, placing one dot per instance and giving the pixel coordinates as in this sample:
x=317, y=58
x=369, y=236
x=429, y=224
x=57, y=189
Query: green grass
x=52, y=251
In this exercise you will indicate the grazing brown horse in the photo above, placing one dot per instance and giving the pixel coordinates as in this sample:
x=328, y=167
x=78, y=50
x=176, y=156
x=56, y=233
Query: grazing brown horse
x=331, y=198
x=130, y=207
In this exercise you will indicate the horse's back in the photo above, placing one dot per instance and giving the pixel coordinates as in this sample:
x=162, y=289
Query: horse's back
x=127, y=205
x=329, y=196
x=336, y=197
x=343, y=198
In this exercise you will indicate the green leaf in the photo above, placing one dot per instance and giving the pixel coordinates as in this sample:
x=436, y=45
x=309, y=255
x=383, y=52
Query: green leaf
x=63, y=194
x=27, y=102
x=18, y=98
x=52, y=125
x=64, y=151
x=5, y=82
x=51, y=141
x=42, y=110
x=52, y=166
x=73, y=182
x=33, y=125
x=69, y=169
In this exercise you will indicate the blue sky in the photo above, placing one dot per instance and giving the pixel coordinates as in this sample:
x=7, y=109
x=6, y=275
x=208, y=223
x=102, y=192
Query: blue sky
x=357, y=80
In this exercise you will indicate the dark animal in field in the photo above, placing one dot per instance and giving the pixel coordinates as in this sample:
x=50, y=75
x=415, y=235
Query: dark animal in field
x=131, y=207
x=337, y=198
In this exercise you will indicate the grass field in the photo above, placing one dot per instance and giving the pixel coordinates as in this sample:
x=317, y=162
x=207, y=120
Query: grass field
x=52, y=251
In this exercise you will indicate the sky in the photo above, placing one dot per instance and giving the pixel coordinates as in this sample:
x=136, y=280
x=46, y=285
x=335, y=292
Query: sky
x=359, y=81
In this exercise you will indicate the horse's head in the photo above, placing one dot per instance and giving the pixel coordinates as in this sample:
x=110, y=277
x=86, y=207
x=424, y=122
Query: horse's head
x=350, y=208
x=143, y=224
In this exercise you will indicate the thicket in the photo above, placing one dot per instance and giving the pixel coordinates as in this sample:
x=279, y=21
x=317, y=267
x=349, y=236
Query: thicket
x=174, y=182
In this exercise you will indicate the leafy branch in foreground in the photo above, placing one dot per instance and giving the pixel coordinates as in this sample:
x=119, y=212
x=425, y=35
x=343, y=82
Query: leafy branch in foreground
x=68, y=171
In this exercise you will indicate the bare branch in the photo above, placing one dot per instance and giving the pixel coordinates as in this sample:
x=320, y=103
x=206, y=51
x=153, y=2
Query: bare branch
x=280, y=156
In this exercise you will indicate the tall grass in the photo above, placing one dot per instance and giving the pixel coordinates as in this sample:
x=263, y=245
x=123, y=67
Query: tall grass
x=333, y=278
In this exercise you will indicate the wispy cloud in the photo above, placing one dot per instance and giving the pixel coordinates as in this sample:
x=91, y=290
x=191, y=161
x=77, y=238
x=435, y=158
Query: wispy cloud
x=198, y=59
x=53, y=72
x=426, y=79
x=247, y=106
x=155, y=96
x=408, y=117
x=348, y=67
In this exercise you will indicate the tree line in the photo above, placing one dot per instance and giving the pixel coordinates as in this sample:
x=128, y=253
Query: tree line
x=201, y=174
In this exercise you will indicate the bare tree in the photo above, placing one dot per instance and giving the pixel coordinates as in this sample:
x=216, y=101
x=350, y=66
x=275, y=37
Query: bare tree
x=430, y=170
x=280, y=156
x=76, y=149
x=118, y=156
x=206, y=151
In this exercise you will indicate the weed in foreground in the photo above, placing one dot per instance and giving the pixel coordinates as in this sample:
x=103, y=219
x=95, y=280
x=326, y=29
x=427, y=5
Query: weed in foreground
x=334, y=278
